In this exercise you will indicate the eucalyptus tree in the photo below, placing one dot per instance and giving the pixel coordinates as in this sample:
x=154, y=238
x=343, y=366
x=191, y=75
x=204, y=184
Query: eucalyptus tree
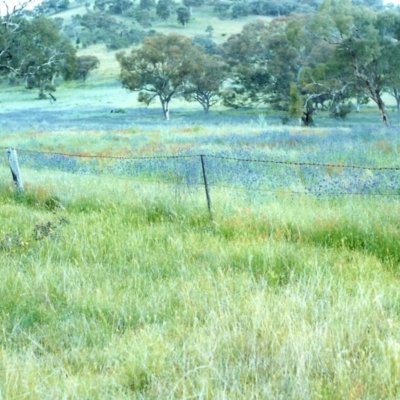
x=207, y=44
x=85, y=64
x=205, y=79
x=325, y=82
x=33, y=48
x=147, y=5
x=51, y=55
x=265, y=59
x=247, y=54
x=183, y=15
x=11, y=25
x=97, y=26
x=295, y=103
x=393, y=82
x=159, y=68
x=390, y=24
x=363, y=40
x=164, y=9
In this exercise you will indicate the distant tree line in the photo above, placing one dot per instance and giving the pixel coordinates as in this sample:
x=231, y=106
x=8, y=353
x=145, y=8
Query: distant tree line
x=146, y=11
x=296, y=64
x=344, y=55
x=99, y=25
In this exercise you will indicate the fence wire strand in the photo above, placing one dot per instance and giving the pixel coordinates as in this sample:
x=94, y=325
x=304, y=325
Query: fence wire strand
x=238, y=159
x=226, y=172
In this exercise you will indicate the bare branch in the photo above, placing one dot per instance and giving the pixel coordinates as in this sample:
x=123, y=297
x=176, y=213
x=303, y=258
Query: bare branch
x=17, y=8
x=11, y=69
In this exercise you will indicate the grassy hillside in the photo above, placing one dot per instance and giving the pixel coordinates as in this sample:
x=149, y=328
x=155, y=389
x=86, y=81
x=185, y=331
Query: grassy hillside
x=201, y=18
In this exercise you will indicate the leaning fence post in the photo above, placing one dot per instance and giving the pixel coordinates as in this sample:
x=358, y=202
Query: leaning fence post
x=203, y=167
x=15, y=171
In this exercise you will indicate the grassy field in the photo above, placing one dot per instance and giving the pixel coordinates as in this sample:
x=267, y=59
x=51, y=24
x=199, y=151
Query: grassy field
x=119, y=295
x=115, y=287
x=117, y=283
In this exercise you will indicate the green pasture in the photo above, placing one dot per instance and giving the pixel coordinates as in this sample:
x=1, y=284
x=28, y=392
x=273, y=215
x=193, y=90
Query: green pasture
x=114, y=288
x=103, y=91
x=203, y=17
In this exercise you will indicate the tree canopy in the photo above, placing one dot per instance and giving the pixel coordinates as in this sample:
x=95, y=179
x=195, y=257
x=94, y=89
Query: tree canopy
x=205, y=79
x=341, y=52
x=159, y=68
x=34, y=49
x=363, y=40
x=85, y=64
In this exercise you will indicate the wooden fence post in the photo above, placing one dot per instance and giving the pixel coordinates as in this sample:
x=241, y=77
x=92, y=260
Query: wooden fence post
x=203, y=167
x=15, y=171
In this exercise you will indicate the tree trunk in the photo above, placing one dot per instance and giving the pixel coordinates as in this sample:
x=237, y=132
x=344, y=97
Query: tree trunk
x=307, y=118
x=382, y=109
x=374, y=90
x=164, y=104
x=396, y=94
x=206, y=107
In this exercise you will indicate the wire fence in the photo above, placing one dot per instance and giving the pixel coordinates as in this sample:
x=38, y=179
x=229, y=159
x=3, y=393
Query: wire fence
x=212, y=171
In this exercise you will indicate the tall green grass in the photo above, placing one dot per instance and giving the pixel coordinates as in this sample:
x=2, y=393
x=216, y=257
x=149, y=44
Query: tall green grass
x=111, y=293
